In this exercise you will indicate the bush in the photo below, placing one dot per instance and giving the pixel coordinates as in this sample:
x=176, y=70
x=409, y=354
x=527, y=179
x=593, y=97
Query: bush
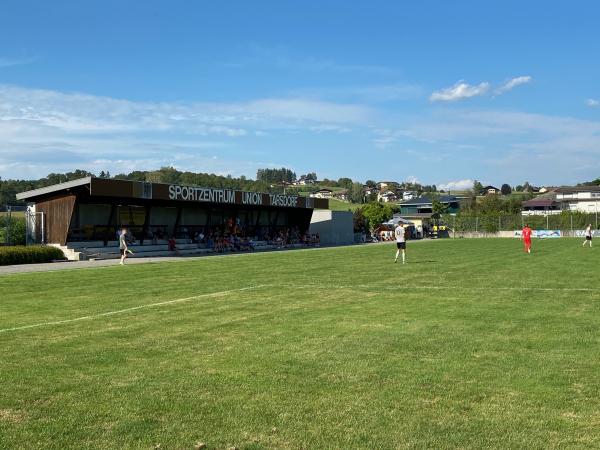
x=29, y=255
x=16, y=230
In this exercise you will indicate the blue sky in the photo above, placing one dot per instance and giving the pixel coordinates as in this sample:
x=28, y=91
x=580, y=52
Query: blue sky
x=442, y=92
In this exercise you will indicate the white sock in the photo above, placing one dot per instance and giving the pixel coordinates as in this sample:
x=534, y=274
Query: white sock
x=403, y=257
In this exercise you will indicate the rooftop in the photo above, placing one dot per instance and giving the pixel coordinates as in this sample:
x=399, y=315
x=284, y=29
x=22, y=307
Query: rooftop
x=576, y=189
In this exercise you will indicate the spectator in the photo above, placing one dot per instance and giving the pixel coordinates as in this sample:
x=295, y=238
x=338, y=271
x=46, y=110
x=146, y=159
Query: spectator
x=172, y=244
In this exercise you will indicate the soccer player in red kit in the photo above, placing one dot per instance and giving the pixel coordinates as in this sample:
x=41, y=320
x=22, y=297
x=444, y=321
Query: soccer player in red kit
x=526, y=235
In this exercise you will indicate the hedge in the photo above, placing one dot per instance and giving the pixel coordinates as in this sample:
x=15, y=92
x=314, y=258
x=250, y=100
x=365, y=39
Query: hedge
x=29, y=255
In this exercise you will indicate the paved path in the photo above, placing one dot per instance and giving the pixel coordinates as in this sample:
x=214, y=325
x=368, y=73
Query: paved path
x=50, y=267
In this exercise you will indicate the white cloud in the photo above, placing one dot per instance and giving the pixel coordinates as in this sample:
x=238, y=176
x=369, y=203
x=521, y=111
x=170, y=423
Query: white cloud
x=514, y=144
x=512, y=83
x=458, y=185
x=459, y=91
x=592, y=102
x=42, y=130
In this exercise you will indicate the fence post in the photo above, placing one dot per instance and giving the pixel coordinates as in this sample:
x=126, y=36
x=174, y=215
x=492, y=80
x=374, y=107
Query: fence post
x=453, y=226
x=8, y=224
x=571, y=216
x=547, y=222
x=476, y=223
x=499, y=223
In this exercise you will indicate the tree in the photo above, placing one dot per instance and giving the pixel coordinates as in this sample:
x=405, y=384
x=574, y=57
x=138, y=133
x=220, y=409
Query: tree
x=491, y=204
x=346, y=183
x=477, y=187
x=370, y=183
x=376, y=213
x=273, y=176
x=519, y=188
x=526, y=187
x=505, y=189
x=514, y=204
x=360, y=221
x=356, y=193
x=437, y=207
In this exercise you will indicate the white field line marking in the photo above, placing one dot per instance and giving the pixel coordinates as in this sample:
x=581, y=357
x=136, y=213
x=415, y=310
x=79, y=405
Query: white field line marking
x=134, y=308
x=434, y=287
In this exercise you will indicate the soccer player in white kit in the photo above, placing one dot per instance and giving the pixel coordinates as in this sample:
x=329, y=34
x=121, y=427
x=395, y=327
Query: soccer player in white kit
x=400, y=242
x=588, y=235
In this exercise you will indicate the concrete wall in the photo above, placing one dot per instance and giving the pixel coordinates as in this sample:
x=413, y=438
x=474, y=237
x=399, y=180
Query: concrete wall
x=473, y=234
x=334, y=227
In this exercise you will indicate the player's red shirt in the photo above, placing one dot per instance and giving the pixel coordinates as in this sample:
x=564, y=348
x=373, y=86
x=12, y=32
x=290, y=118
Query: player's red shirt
x=526, y=233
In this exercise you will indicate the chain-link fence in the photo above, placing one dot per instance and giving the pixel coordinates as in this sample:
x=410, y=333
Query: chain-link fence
x=566, y=221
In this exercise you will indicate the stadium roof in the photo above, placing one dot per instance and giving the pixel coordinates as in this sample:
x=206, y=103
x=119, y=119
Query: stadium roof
x=116, y=190
x=54, y=188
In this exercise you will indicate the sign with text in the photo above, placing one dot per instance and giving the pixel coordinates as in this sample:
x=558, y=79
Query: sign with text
x=217, y=195
x=174, y=192
x=541, y=234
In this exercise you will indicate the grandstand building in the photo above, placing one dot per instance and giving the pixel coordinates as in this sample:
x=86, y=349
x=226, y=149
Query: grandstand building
x=93, y=209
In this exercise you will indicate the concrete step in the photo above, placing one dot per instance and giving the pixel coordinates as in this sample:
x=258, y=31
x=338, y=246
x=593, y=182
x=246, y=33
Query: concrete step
x=98, y=244
x=155, y=253
x=136, y=248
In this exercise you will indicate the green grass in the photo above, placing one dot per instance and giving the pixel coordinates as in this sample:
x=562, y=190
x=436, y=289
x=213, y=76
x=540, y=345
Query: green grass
x=341, y=205
x=18, y=214
x=328, y=348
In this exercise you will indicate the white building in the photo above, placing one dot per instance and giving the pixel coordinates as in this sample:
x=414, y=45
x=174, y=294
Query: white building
x=322, y=193
x=303, y=181
x=385, y=185
x=342, y=195
x=408, y=195
x=386, y=197
x=580, y=198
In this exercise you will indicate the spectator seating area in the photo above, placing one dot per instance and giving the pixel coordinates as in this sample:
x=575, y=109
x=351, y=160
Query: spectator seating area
x=86, y=250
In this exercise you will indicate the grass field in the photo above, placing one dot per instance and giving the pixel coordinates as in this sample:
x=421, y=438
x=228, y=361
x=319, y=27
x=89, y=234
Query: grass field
x=472, y=344
x=341, y=205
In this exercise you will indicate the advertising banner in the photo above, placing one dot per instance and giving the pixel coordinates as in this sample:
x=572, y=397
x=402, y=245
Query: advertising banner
x=541, y=234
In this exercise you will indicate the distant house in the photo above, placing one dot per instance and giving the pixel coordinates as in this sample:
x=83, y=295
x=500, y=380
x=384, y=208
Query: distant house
x=408, y=195
x=341, y=195
x=579, y=198
x=544, y=204
x=368, y=190
x=387, y=196
x=303, y=181
x=322, y=193
x=385, y=185
x=490, y=190
x=424, y=205
x=545, y=189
